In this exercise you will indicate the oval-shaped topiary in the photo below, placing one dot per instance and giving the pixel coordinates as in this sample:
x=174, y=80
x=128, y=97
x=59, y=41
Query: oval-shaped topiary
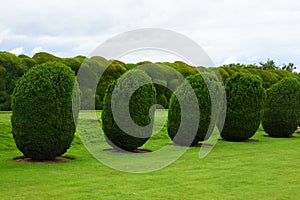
x=202, y=93
x=245, y=96
x=141, y=101
x=282, y=109
x=43, y=125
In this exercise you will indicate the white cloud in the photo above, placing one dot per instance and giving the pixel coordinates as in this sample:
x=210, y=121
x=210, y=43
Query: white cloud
x=17, y=51
x=246, y=29
x=36, y=50
x=230, y=60
x=3, y=34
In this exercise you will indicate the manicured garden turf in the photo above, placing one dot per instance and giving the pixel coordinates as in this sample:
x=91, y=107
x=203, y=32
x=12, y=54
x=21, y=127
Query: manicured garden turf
x=267, y=169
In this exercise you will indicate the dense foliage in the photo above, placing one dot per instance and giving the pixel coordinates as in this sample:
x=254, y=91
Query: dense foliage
x=13, y=67
x=245, y=95
x=43, y=124
x=140, y=103
x=282, y=110
x=200, y=88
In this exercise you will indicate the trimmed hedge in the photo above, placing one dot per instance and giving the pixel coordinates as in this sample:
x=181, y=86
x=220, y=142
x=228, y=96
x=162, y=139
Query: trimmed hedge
x=140, y=103
x=224, y=74
x=43, y=124
x=245, y=95
x=204, y=102
x=282, y=110
x=268, y=78
x=11, y=68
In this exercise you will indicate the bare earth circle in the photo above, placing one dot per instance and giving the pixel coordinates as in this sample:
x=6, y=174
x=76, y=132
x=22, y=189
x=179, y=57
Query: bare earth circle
x=29, y=160
x=197, y=145
x=119, y=151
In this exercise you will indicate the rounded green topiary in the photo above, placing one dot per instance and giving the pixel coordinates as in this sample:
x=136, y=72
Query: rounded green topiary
x=141, y=101
x=202, y=93
x=282, y=109
x=245, y=96
x=162, y=100
x=43, y=124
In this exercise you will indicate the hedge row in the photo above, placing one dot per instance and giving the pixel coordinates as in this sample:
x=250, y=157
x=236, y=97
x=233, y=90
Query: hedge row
x=13, y=67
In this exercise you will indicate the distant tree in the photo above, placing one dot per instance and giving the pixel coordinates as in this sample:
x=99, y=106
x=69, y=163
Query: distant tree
x=235, y=65
x=241, y=66
x=288, y=67
x=269, y=65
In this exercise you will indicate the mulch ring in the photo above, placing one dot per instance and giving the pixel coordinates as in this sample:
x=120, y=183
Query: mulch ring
x=29, y=160
x=197, y=145
x=248, y=140
x=123, y=151
x=5, y=112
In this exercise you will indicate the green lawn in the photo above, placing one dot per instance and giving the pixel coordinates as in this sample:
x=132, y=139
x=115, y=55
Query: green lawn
x=266, y=169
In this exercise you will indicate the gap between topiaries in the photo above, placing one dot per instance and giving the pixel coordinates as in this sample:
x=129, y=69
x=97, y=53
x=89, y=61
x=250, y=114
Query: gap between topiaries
x=111, y=150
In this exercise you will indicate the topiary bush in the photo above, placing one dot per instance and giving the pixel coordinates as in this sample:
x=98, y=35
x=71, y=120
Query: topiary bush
x=43, y=124
x=204, y=102
x=162, y=100
x=245, y=96
x=282, y=109
x=140, y=103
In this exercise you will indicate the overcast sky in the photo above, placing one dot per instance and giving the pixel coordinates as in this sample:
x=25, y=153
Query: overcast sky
x=229, y=31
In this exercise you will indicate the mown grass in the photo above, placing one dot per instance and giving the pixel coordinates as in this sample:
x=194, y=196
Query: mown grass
x=266, y=169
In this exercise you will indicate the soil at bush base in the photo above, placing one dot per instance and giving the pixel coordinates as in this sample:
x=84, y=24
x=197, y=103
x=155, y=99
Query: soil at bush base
x=57, y=160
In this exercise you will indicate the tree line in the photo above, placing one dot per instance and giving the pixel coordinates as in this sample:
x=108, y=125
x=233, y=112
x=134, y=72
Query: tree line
x=12, y=67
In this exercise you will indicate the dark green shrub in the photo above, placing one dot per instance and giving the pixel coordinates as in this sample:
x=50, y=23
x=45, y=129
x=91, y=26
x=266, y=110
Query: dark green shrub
x=282, y=109
x=245, y=95
x=140, y=103
x=162, y=100
x=43, y=125
x=204, y=104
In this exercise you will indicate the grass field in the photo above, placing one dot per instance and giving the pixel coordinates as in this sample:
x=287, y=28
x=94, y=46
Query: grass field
x=266, y=169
